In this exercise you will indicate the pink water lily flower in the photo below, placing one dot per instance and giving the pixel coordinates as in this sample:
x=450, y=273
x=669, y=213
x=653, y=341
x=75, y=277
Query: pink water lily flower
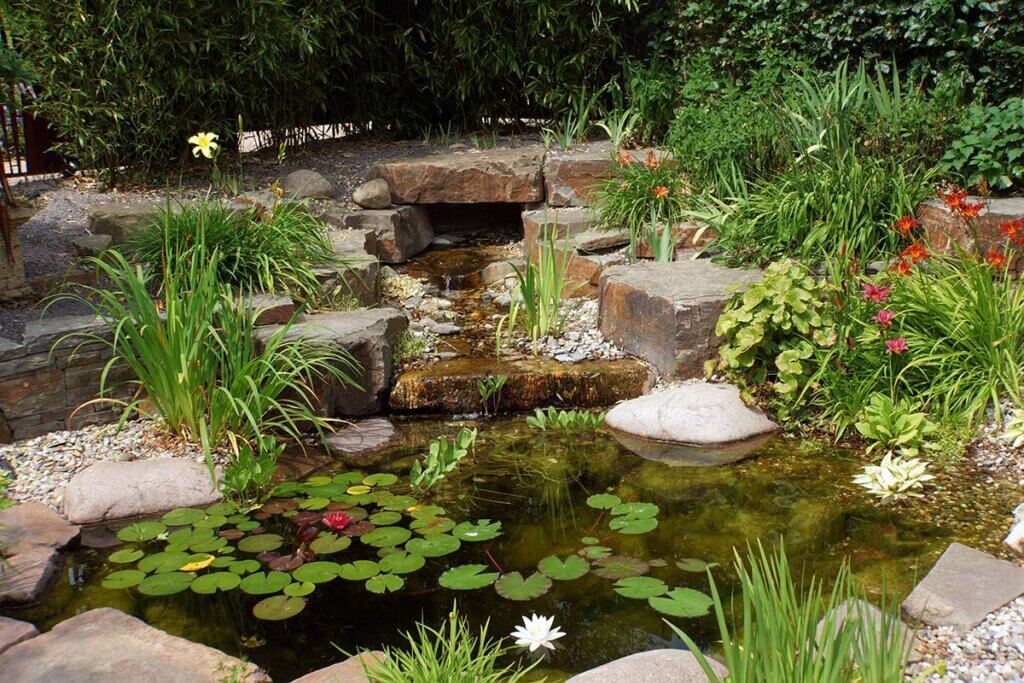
x=896, y=346
x=876, y=293
x=336, y=520
x=884, y=317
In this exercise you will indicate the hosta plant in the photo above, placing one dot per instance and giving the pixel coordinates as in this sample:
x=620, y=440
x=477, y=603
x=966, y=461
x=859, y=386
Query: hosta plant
x=895, y=426
x=894, y=478
x=565, y=420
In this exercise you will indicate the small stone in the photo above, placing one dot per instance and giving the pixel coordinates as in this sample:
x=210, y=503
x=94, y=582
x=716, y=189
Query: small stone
x=445, y=329
x=92, y=245
x=358, y=440
x=373, y=194
x=306, y=184
x=27, y=576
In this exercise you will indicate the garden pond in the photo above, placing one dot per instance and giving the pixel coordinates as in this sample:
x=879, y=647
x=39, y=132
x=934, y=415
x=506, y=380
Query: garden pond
x=592, y=515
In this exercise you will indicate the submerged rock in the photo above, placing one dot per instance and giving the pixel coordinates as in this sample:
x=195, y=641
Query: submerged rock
x=357, y=443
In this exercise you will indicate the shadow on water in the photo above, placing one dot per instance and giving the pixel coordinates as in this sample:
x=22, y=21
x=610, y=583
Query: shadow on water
x=537, y=485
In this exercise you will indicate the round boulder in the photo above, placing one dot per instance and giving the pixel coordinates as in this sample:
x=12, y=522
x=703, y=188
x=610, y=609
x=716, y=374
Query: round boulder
x=306, y=184
x=373, y=194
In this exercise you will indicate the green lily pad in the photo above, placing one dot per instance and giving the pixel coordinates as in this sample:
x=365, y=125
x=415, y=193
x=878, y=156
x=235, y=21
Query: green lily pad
x=182, y=516
x=386, y=536
x=590, y=540
x=384, y=583
x=348, y=478
x=402, y=562
x=640, y=587
x=317, y=572
x=141, y=531
x=325, y=544
x=432, y=525
x=161, y=563
x=386, y=517
x=468, y=577
x=165, y=584
x=207, y=545
x=126, y=555
x=315, y=503
x=221, y=509
x=483, y=530
x=620, y=567
x=208, y=584
x=632, y=527
x=514, y=587
x=398, y=503
x=572, y=567
x=434, y=545
x=248, y=525
x=299, y=589
x=682, y=602
x=125, y=578
x=357, y=490
x=427, y=511
x=238, y=518
x=211, y=522
x=318, y=481
x=262, y=583
x=382, y=479
x=360, y=570
x=594, y=552
x=278, y=607
x=603, y=501
x=694, y=565
x=260, y=543
x=223, y=562
x=636, y=510
x=244, y=566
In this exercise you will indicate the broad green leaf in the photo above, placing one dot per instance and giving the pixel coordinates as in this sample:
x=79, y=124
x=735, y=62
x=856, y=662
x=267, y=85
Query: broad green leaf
x=260, y=543
x=360, y=570
x=640, y=587
x=141, y=531
x=595, y=552
x=215, y=581
x=384, y=583
x=694, y=565
x=603, y=501
x=632, y=527
x=211, y=522
x=314, y=503
x=572, y=567
x=126, y=555
x=682, y=602
x=386, y=536
x=382, y=479
x=161, y=563
x=262, y=583
x=317, y=572
x=432, y=525
x=482, y=530
x=225, y=508
x=402, y=562
x=165, y=584
x=620, y=567
x=514, y=587
x=386, y=517
x=244, y=566
x=300, y=589
x=468, y=577
x=397, y=503
x=434, y=545
x=325, y=544
x=636, y=510
x=125, y=578
x=278, y=607
x=182, y=516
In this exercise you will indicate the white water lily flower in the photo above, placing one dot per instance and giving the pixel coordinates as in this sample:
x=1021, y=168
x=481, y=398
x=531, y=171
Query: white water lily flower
x=204, y=144
x=894, y=478
x=537, y=632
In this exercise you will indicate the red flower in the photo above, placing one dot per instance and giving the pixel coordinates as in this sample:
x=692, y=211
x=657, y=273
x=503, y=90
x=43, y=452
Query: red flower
x=896, y=346
x=660, y=192
x=901, y=267
x=336, y=520
x=953, y=197
x=884, y=317
x=651, y=161
x=904, y=225
x=625, y=158
x=995, y=258
x=876, y=293
x=971, y=209
x=1012, y=229
x=914, y=253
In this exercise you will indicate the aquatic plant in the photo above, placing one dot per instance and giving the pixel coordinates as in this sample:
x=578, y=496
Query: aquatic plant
x=565, y=420
x=488, y=388
x=537, y=632
x=895, y=426
x=247, y=478
x=894, y=478
x=441, y=459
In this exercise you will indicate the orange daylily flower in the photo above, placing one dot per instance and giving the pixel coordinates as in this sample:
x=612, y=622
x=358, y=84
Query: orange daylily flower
x=660, y=192
x=651, y=161
x=995, y=258
x=971, y=209
x=904, y=225
x=914, y=253
x=901, y=267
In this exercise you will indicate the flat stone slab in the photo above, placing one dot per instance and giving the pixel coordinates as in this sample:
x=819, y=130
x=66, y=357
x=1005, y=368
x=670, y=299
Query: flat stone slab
x=123, y=220
x=35, y=524
x=27, y=575
x=401, y=232
x=570, y=177
x=106, y=645
x=653, y=666
x=110, y=490
x=666, y=312
x=468, y=177
x=272, y=309
x=13, y=631
x=349, y=671
x=566, y=222
x=963, y=588
x=356, y=443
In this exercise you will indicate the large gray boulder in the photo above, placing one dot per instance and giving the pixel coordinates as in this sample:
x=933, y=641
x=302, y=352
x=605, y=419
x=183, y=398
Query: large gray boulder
x=373, y=194
x=108, y=646
x=963, y=588
x=123, y=220
x=306, y=184
x=110, y=490
x=653, y=666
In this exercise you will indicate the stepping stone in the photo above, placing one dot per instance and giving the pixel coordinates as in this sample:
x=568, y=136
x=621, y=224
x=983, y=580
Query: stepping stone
x=571, y=176
x=306, y=184
x=963, y=588
x=109, y=490
x=33, y=524
x=27, y=576
x=357, y=443
x=13, y=632
x=358, y=272
x=401, y=232
x=666, y=312
x=470, y=177
x=499, y=270
x=373, y=194
x=349, y=671
x=371, y=337
x=575, y=227
x=123, y=220
x=941, y=227
x=108, y=645
x=654, y=666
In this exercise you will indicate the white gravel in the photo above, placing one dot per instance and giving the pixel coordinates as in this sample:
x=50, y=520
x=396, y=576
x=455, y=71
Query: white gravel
x=45, y=464
x=580, y=339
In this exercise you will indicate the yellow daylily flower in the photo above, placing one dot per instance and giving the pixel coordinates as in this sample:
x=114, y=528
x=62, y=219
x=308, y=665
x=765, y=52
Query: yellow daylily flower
x=204, y=144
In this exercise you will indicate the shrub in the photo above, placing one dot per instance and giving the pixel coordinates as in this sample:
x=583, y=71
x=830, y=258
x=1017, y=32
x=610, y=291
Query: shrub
x=990, y=148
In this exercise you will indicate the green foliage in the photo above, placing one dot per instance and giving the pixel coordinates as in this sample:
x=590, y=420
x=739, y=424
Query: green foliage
x=247, y=477
x=273, y=252
x=442, y=459
x=488, y=388
x=5, y=482
x=565, y=420
x=990, y=148
x=409, y=347
x=575, y=123
x=770, y=331
x=779, y=617
x=895, y=426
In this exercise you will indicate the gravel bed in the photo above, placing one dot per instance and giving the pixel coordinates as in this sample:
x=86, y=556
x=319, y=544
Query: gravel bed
x=580, y=340
x=45, y=464
x=993, y=454
x=992, y=652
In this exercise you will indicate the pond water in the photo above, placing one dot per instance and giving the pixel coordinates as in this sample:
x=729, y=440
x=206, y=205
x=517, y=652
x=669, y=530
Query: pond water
x=537, y=485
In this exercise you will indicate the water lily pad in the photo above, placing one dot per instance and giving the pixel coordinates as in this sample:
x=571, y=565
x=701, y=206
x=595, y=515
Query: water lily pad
x=402, y=562
x=358, y=490
x=348, y=478
x=207, y=545
x=262, y=583
x=384, y=583
x=432, y=525
x=165, y=584
x=358, y=528
x=590, y=540
x=357, y=514
x=382, y=479
x=595, y=552
x=360, y=570
x=426, y=511
x=695, y=565
x=514, y=587
x=636, y=510
x=260, y=543
x=468, y=577
x=211, y=522
x=126, y=555
x=603, y=501
x=182, y=516
x=208, y=584
x=244, y=566
x=299, y=589
x=632, y=527
x=572, y=567
x=317, y=572
x=222, y=509
x=141, y=531
x=386, y=517
x=224, y=562
x=278, y=607
x=318, y=480
x=386, y=536
x=396, y=502
x=325, y=544
x=315, y=503
x=248, y=526
x=230, y=534
x=161, y=563
x=620, y=567
x=657, y=562
x=197, y=562
x=434, y=545
x=640, y=587
x=483, y=530
x=682, y=602
x=125, y=578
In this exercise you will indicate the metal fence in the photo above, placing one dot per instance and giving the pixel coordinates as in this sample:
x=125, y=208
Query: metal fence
x=25, y=138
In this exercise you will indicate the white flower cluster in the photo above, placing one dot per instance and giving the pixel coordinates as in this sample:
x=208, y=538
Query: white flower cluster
x=894, y=478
